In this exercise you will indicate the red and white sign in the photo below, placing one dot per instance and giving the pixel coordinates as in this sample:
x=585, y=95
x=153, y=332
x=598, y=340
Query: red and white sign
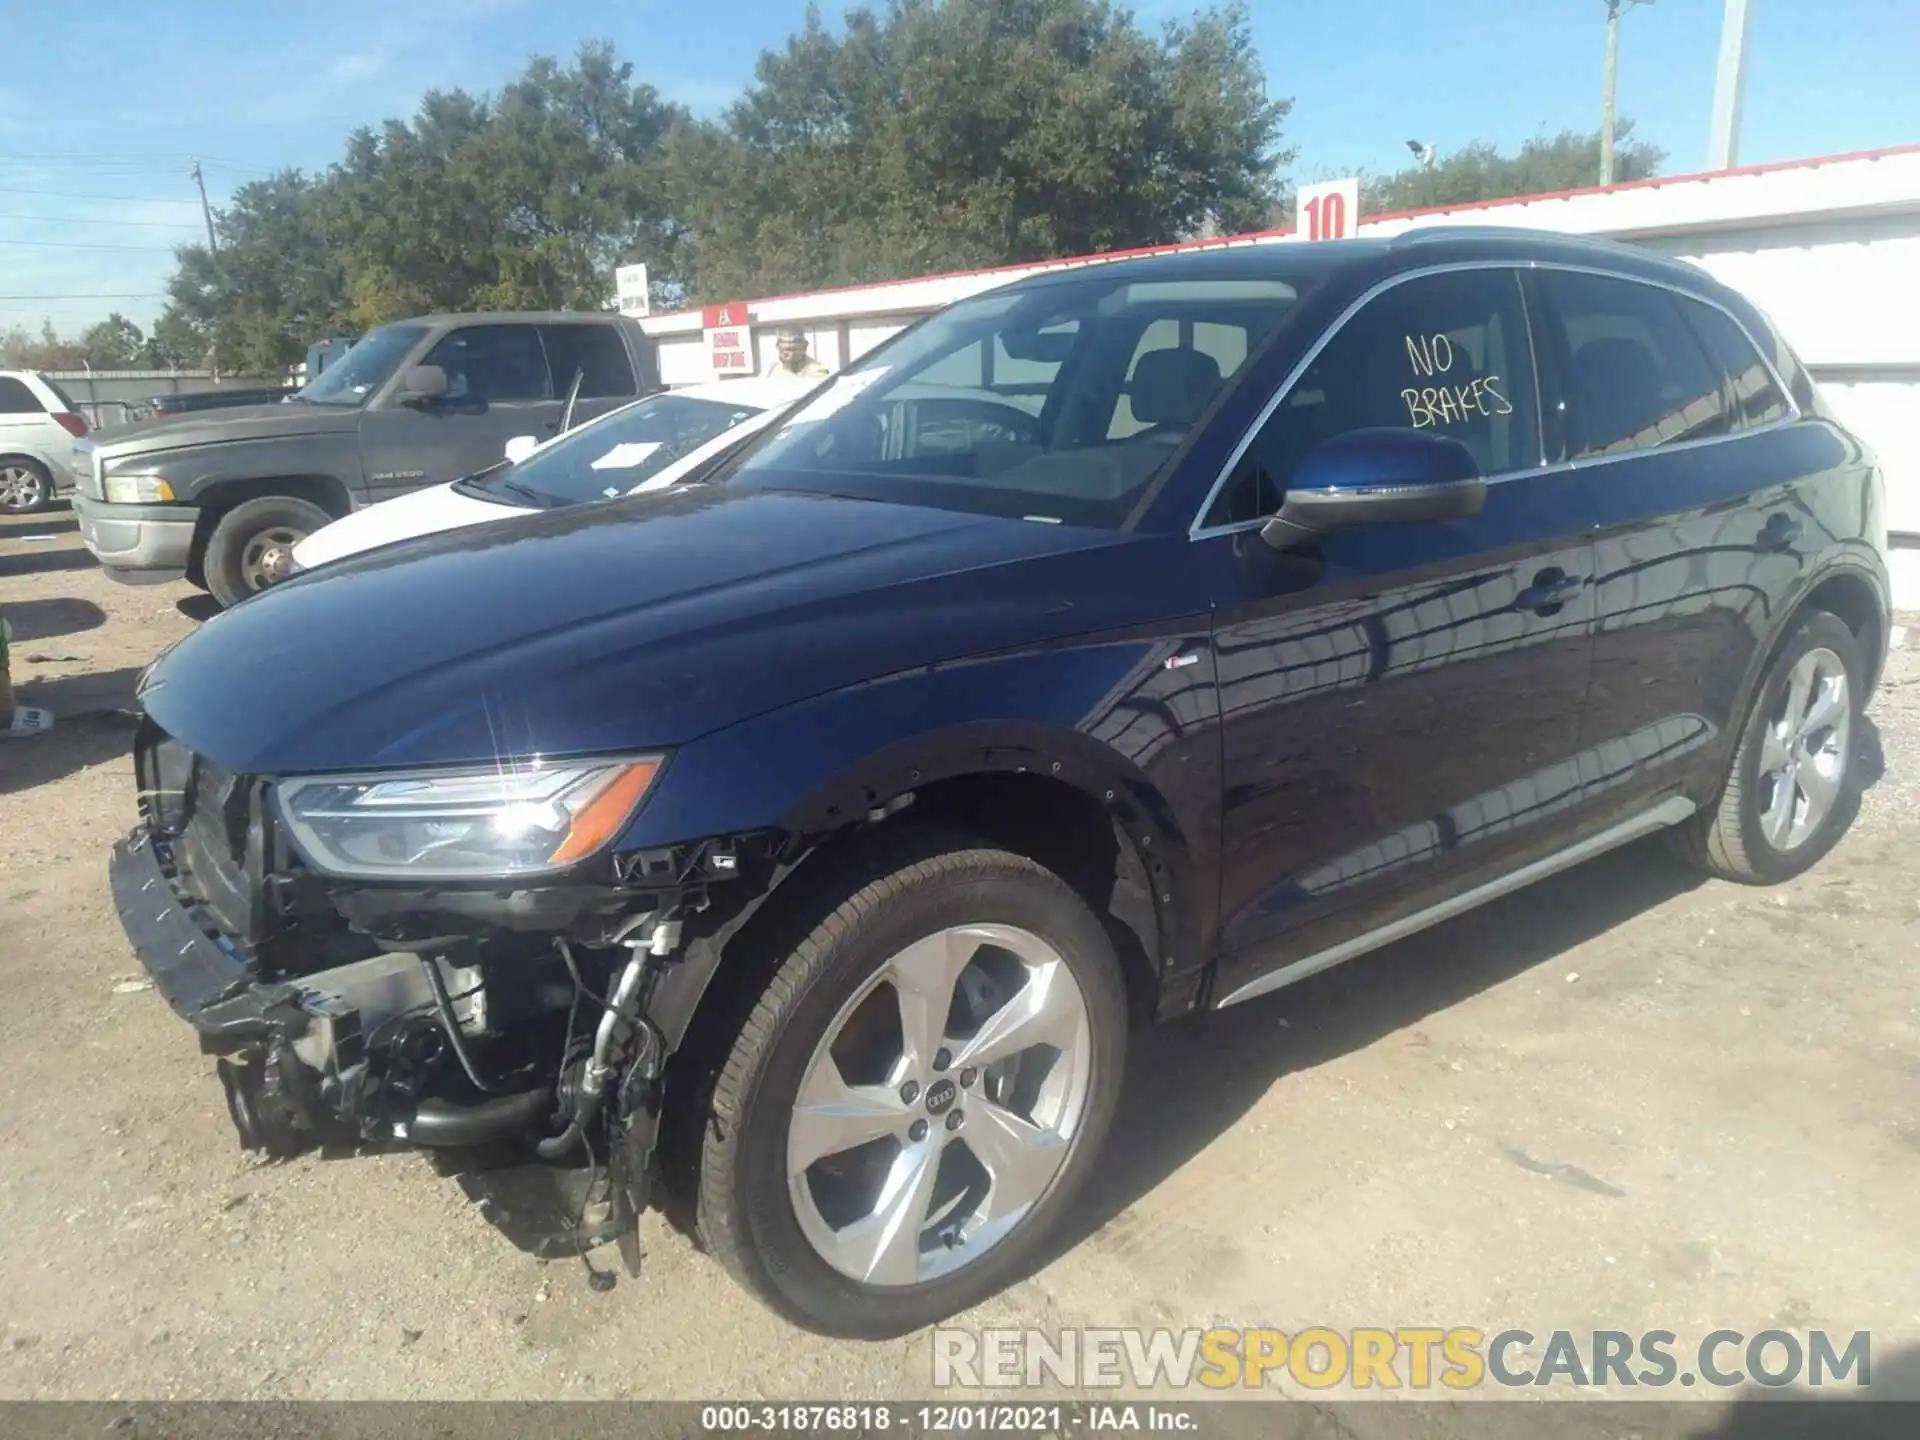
x=1328, y=211
x=729, y=337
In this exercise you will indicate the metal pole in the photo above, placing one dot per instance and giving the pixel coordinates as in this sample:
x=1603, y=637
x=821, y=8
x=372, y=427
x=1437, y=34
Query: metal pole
x=1606, y=96
x=1729, y=89
x=206, y=210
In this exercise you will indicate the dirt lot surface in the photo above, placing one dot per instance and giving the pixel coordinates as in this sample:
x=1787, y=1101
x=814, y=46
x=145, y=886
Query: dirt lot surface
x=1625, y=1099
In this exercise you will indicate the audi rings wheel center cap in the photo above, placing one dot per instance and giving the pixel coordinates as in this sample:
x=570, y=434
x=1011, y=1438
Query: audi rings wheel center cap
x=940, y=1096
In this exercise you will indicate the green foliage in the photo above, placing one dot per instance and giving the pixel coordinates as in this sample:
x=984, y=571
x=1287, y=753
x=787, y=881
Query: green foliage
x=926, y=137
x=521, y=202
x=21, y=349
x=1478, y=171
x=936, y=136
x=114, y=344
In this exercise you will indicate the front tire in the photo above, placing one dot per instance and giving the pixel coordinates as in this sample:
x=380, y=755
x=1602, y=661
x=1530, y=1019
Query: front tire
x=1794, y=784
x=918, y=1094
x=252, y=545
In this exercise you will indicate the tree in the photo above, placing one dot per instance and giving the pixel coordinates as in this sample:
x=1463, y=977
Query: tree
x=275, y=281
x=177, y=343
x=971, y=132
x=115, y=343
x=521, y=202
x=21, y=349
x=1478, y=171
x=937, y=134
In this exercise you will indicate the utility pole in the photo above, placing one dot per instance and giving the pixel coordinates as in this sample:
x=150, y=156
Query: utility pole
x=1614, y=7
x=213, y=248
x=206, y=210
x=1729, y=89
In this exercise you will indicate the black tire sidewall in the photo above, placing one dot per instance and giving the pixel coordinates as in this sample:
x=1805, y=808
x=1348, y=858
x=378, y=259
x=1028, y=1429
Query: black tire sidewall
x=1816, y=631
x=228, y=542
x=45, y=478
x=797, y=1277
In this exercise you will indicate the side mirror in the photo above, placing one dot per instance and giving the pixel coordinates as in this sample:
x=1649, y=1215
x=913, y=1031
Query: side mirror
x=520, y=447
x=1376, y=477
x=422, y=383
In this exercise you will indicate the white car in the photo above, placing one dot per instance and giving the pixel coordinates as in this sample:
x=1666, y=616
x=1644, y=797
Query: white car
x=645, y=446
x=38, y=431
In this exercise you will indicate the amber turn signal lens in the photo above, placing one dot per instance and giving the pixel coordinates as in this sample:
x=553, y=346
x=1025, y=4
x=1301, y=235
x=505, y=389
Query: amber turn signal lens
x=600, y=820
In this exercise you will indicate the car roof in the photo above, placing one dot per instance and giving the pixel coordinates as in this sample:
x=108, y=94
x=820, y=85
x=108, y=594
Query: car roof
x=1418, y=247
x=513, y=317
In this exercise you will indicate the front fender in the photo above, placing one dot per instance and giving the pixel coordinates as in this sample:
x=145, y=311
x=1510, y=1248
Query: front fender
x=1107, y=716
x=198, y=472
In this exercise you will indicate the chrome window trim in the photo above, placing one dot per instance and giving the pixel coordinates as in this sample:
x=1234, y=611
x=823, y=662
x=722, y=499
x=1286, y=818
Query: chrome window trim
x=1197, y=530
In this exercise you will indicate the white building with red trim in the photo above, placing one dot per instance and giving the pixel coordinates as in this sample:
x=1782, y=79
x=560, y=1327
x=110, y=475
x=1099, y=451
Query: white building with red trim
x=1828, y=247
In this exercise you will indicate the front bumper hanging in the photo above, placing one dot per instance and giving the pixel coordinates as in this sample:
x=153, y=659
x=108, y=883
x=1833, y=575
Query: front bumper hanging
x=206, y=984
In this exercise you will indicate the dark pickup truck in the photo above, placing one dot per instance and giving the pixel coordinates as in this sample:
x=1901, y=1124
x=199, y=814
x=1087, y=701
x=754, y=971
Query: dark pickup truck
x=222, y=497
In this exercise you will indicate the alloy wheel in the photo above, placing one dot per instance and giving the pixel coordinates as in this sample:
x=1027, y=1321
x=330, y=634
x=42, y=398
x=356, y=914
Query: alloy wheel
x=940, y=1105
x=1804, y=750
x=21, y=489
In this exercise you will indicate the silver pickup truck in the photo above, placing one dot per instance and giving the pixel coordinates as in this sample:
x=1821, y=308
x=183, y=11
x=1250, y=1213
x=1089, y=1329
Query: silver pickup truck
x=221, y=497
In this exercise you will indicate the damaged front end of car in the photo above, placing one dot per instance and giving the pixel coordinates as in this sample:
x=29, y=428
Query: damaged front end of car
x=360, y=981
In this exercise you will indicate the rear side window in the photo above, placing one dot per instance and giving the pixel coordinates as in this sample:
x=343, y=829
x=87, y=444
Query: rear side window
x=17, y=399
x=66, y=400
x=492, y=363
x=1755, y=393
x=1633, y=375
x=596, y=354
x=1446, y=353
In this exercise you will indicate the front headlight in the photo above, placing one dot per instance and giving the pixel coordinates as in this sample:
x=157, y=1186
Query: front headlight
x=491, y=822
x=136, y=490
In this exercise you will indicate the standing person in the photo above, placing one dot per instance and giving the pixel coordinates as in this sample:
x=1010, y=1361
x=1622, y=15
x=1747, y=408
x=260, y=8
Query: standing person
x=791, y=359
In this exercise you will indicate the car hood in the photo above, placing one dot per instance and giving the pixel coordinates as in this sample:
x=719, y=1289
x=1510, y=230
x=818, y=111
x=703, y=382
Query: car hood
x=405, y=517
x=633, y=625
x=214, y=427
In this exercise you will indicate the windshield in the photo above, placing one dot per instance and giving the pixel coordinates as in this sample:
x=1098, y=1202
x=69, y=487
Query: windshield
x=362, y=370
x=1056, y=402
x=612, y=456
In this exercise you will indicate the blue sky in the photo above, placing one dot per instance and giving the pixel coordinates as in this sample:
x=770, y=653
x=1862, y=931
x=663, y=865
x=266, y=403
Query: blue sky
x=102, y=103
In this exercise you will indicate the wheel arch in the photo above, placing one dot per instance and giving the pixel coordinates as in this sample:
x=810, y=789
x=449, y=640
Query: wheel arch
x=1054, y=795
x=329, y=492
x=1851, y=589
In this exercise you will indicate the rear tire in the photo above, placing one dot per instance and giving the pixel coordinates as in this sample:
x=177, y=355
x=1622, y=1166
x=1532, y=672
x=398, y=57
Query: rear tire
x=1793, y=787
x=959, y=1174
x=26, y=486
x=252, y=542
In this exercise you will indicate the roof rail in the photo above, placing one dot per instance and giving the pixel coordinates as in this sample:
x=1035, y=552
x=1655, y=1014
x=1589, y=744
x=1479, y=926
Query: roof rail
x=1426, y=234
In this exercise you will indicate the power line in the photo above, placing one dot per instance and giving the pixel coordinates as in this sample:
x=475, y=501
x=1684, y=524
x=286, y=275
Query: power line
x=94, y=295
x=77, y=245
x=88, y=195
x=90, y=220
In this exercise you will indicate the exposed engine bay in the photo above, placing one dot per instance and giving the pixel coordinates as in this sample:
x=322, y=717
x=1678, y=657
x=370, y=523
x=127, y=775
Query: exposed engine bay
x=449, y=1017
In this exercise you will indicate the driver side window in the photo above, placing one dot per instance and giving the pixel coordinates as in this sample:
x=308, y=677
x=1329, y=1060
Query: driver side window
x=493, y=363
x=1446, y=353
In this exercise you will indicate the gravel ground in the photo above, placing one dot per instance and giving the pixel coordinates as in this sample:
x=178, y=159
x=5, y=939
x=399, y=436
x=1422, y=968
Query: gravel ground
x=1404, y=1140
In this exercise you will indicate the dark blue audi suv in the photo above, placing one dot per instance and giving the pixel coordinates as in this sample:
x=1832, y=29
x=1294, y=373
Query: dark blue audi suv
x=1125, y=643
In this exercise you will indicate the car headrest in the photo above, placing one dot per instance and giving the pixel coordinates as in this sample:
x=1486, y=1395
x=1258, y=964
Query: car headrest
x=1618, y=381
x=1172, y=387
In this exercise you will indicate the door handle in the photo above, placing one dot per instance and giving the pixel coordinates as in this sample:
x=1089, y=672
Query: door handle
x=1779, y=533
x=1551, y=589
